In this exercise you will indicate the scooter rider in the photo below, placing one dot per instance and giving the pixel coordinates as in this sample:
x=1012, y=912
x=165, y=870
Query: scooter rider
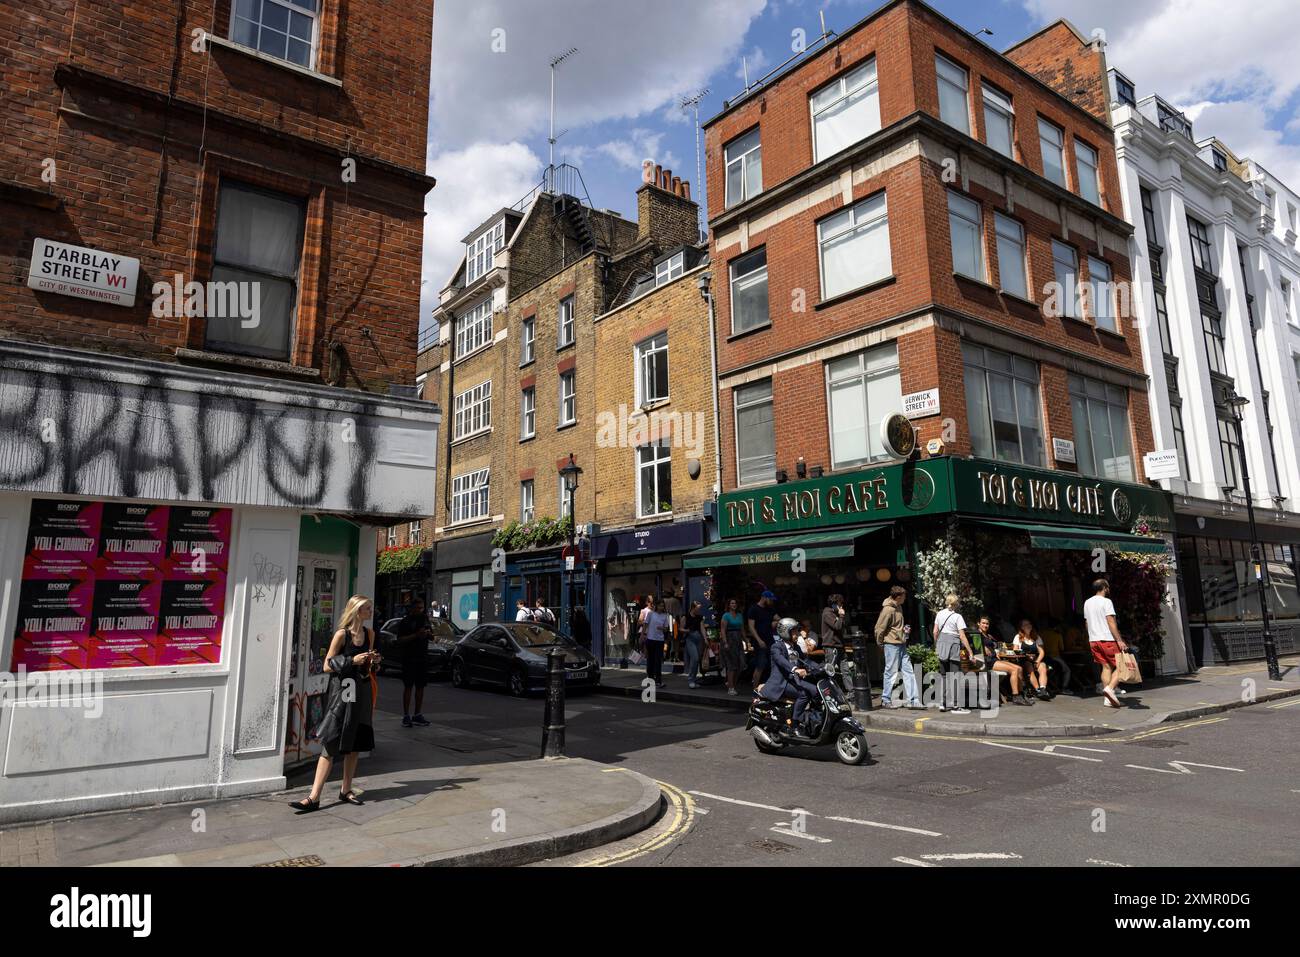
x=789, y=672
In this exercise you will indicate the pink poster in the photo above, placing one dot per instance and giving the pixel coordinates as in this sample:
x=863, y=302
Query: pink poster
x=122, y=585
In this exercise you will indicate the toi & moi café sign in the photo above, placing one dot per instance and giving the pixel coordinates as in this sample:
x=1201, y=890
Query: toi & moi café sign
x=976, y=487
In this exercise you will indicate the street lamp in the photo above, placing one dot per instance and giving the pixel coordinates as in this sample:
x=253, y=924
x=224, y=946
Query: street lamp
x=1256, y=551
x=569, y=473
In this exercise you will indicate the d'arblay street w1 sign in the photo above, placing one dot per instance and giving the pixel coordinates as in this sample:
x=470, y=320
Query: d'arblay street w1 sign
x=84, y=273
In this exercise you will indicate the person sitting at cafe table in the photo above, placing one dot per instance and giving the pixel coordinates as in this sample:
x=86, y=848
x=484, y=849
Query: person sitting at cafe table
x=1053, y=645
x=1030, y=644
x=996, y=664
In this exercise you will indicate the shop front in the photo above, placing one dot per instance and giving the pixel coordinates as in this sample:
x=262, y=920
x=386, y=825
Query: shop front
x=1220, y=580
x=632, y=564
x=463, y=580
x=540, y=575
x=173, y=559
x=1012, y=541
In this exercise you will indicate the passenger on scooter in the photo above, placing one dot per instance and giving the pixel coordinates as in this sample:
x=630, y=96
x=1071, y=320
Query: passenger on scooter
x=789, y=673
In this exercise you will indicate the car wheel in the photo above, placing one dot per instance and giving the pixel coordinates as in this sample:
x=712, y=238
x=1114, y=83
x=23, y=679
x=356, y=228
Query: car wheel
x=517, y=683
x=851, y=747
x=459, y=679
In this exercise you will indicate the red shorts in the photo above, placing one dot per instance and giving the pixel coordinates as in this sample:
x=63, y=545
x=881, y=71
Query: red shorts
x=1104, y=652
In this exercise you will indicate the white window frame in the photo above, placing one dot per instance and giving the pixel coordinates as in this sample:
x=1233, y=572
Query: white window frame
x=863, y=217
x=527, y=413
x=1087, y=161
x=859, y=86
x=670, y=269
x=474, y=328
x=661, y=453
x=649, y=352
x=481, y=251
x=1010, y=235
x=472, y=411
x=290, y=5
x=1002, y=109
x=566, y=503
x=565, y=324
x=976, y=363
x=747, y=279
x=392, y=536
x=1103, y=307
x=413, y=534
x=863, y=377
x=1285, y=288
x=745, y=159
x=940, y=63
x=528, y=349
x=1077, y=387
x=469, y=496
x=1069, y=304
x=966, y=217
x=1049, y=134
x=527, y=501
x=740, y=405
x=568, y=403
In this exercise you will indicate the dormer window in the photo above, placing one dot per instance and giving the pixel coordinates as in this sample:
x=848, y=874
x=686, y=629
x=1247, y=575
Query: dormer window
x=670, y=269
x=284, y=29
x=481, y=252
x=1220, y=161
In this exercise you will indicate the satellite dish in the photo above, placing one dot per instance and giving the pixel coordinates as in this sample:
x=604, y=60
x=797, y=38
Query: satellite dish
x=898, y=436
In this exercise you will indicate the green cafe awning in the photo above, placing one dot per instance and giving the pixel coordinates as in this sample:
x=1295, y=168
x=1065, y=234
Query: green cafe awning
x=780, y=548
x=1077, y=538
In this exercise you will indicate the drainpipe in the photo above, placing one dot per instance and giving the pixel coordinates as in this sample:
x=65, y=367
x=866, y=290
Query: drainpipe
x=705, y=284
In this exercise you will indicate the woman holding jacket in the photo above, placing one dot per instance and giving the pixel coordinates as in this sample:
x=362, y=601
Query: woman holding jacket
x=346, y=728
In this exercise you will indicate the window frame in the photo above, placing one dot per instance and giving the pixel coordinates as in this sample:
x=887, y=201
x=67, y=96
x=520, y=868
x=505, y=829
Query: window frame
x=466, y=493
x=855, y=225
x=665, y=459
x=666, y=270
x=867, y=90
x=863, y=378
x=527, y=413
x=1093, y=181
x=292, y=6
x=474, y=403
x=980, y=366
x=528, y=347
x=1070, y=308
x=1079, y=445
x=649, y=351
x=1000, y=218
x=1198, y=234
x=527, y=501
x=1095, y=299
x=566, y=318
x=570, y=377
x=1044, y=124
x=970, y=212
x=941, y=80
x=734, y=278
x=1006, y=109
x=739, y=405
x=474, y=324
x=745, y=163
x=480, y=252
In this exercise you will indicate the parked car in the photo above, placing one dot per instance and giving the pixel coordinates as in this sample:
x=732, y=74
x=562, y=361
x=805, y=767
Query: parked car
x=513, y=655
x=443, y=638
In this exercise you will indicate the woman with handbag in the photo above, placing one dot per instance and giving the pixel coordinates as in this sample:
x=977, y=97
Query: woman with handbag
x=950, y=643
x=346, y=727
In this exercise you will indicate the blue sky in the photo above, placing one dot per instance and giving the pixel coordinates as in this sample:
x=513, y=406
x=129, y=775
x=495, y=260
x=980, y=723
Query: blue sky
x=618, y=97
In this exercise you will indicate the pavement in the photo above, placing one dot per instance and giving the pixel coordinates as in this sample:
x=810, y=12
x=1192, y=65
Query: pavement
x=445, y=795
x=1159, y=701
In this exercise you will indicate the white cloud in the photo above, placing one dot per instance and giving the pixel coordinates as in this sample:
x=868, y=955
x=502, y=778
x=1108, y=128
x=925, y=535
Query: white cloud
x=754, y=63
x=485, y=178
x=1235, y=66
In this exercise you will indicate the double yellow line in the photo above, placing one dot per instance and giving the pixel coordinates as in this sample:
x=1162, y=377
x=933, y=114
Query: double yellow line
x=681, y=814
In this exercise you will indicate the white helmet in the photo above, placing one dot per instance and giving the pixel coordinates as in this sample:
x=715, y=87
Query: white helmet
x=785, y=626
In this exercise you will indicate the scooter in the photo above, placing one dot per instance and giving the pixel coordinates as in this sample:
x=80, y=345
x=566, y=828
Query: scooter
x=826, y=721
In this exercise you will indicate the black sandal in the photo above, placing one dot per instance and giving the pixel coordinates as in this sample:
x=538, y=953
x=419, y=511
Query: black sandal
x=305, y=805
x=350, y=797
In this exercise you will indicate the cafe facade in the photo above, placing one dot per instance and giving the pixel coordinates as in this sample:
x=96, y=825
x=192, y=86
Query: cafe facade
x=1026, y=543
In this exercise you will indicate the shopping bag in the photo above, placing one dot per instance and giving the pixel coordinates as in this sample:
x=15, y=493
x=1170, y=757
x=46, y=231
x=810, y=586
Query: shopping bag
x=1129, y=673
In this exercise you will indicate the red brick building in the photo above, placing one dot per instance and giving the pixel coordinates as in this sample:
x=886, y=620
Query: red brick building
x=905, y=221
x=211, y=222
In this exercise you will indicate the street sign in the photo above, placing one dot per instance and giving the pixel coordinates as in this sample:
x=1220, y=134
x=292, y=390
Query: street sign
x=84, y=273
x=919, y=405
x=1162, y=464
x=1063, y=449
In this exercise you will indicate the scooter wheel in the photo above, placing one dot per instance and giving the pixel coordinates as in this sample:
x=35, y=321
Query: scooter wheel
x=851, y=747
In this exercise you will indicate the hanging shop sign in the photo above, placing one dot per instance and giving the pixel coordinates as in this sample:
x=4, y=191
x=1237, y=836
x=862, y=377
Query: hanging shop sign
x=121, y=585
x=84, y=273
x=898, y=436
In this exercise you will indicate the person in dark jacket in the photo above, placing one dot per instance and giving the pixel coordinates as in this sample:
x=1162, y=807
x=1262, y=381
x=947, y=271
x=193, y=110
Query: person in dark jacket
x=789, y=672
x=346, y=727
x=833, y=619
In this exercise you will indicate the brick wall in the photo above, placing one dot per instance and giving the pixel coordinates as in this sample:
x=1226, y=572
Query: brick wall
x=141, y=129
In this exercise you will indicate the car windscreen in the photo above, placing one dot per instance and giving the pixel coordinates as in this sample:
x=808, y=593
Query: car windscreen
x=535, y=636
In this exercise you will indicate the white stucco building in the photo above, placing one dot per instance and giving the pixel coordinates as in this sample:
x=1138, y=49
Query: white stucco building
x=1216, y=274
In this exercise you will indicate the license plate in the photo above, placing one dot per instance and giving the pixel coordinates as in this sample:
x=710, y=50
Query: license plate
x=572, y=675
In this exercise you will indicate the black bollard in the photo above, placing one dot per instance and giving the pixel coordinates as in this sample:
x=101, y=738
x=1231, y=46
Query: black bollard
x=861, y=678
x=553, y=719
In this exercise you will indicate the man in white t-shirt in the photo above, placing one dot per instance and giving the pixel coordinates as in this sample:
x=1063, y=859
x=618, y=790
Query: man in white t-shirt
x=1104, y=638
x=522, y=612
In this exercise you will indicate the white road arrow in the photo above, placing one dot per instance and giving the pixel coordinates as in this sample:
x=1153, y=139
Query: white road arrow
x=1181, y=767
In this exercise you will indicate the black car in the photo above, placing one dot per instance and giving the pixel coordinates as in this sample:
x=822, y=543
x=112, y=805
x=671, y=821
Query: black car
x=443, y=638
x=513, y=655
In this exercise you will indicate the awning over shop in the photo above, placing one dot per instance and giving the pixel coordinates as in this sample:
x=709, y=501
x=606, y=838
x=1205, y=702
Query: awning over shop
x=780, y=548
x=1076, y=538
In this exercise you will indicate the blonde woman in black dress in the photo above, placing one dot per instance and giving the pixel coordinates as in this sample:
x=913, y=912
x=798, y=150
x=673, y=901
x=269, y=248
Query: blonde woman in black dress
x=346, y=729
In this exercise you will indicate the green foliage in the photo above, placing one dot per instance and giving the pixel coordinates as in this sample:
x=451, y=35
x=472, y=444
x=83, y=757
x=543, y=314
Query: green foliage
x=924, y=656
x=397, y=559
x=945, y=568
x=539, y=533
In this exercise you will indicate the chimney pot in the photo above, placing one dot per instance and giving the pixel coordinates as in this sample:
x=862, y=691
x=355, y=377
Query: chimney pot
x=667, y=184
x=686, y=189
x=659, y=175
x=677, y=186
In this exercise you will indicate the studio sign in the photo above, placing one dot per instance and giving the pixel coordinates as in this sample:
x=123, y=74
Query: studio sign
x=848, y=498
x=1048, y=495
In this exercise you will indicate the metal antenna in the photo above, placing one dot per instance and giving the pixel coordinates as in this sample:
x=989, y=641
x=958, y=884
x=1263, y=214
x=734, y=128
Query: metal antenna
x=744, y=63
x=555, y=61
x=692, y=102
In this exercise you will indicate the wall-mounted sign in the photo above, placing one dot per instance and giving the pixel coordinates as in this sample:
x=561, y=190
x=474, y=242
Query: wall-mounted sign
x=84, y=273
x=1162, y=464
x=121, y=585
x=919, y=405
x=1063, y=450
x=898, y=436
